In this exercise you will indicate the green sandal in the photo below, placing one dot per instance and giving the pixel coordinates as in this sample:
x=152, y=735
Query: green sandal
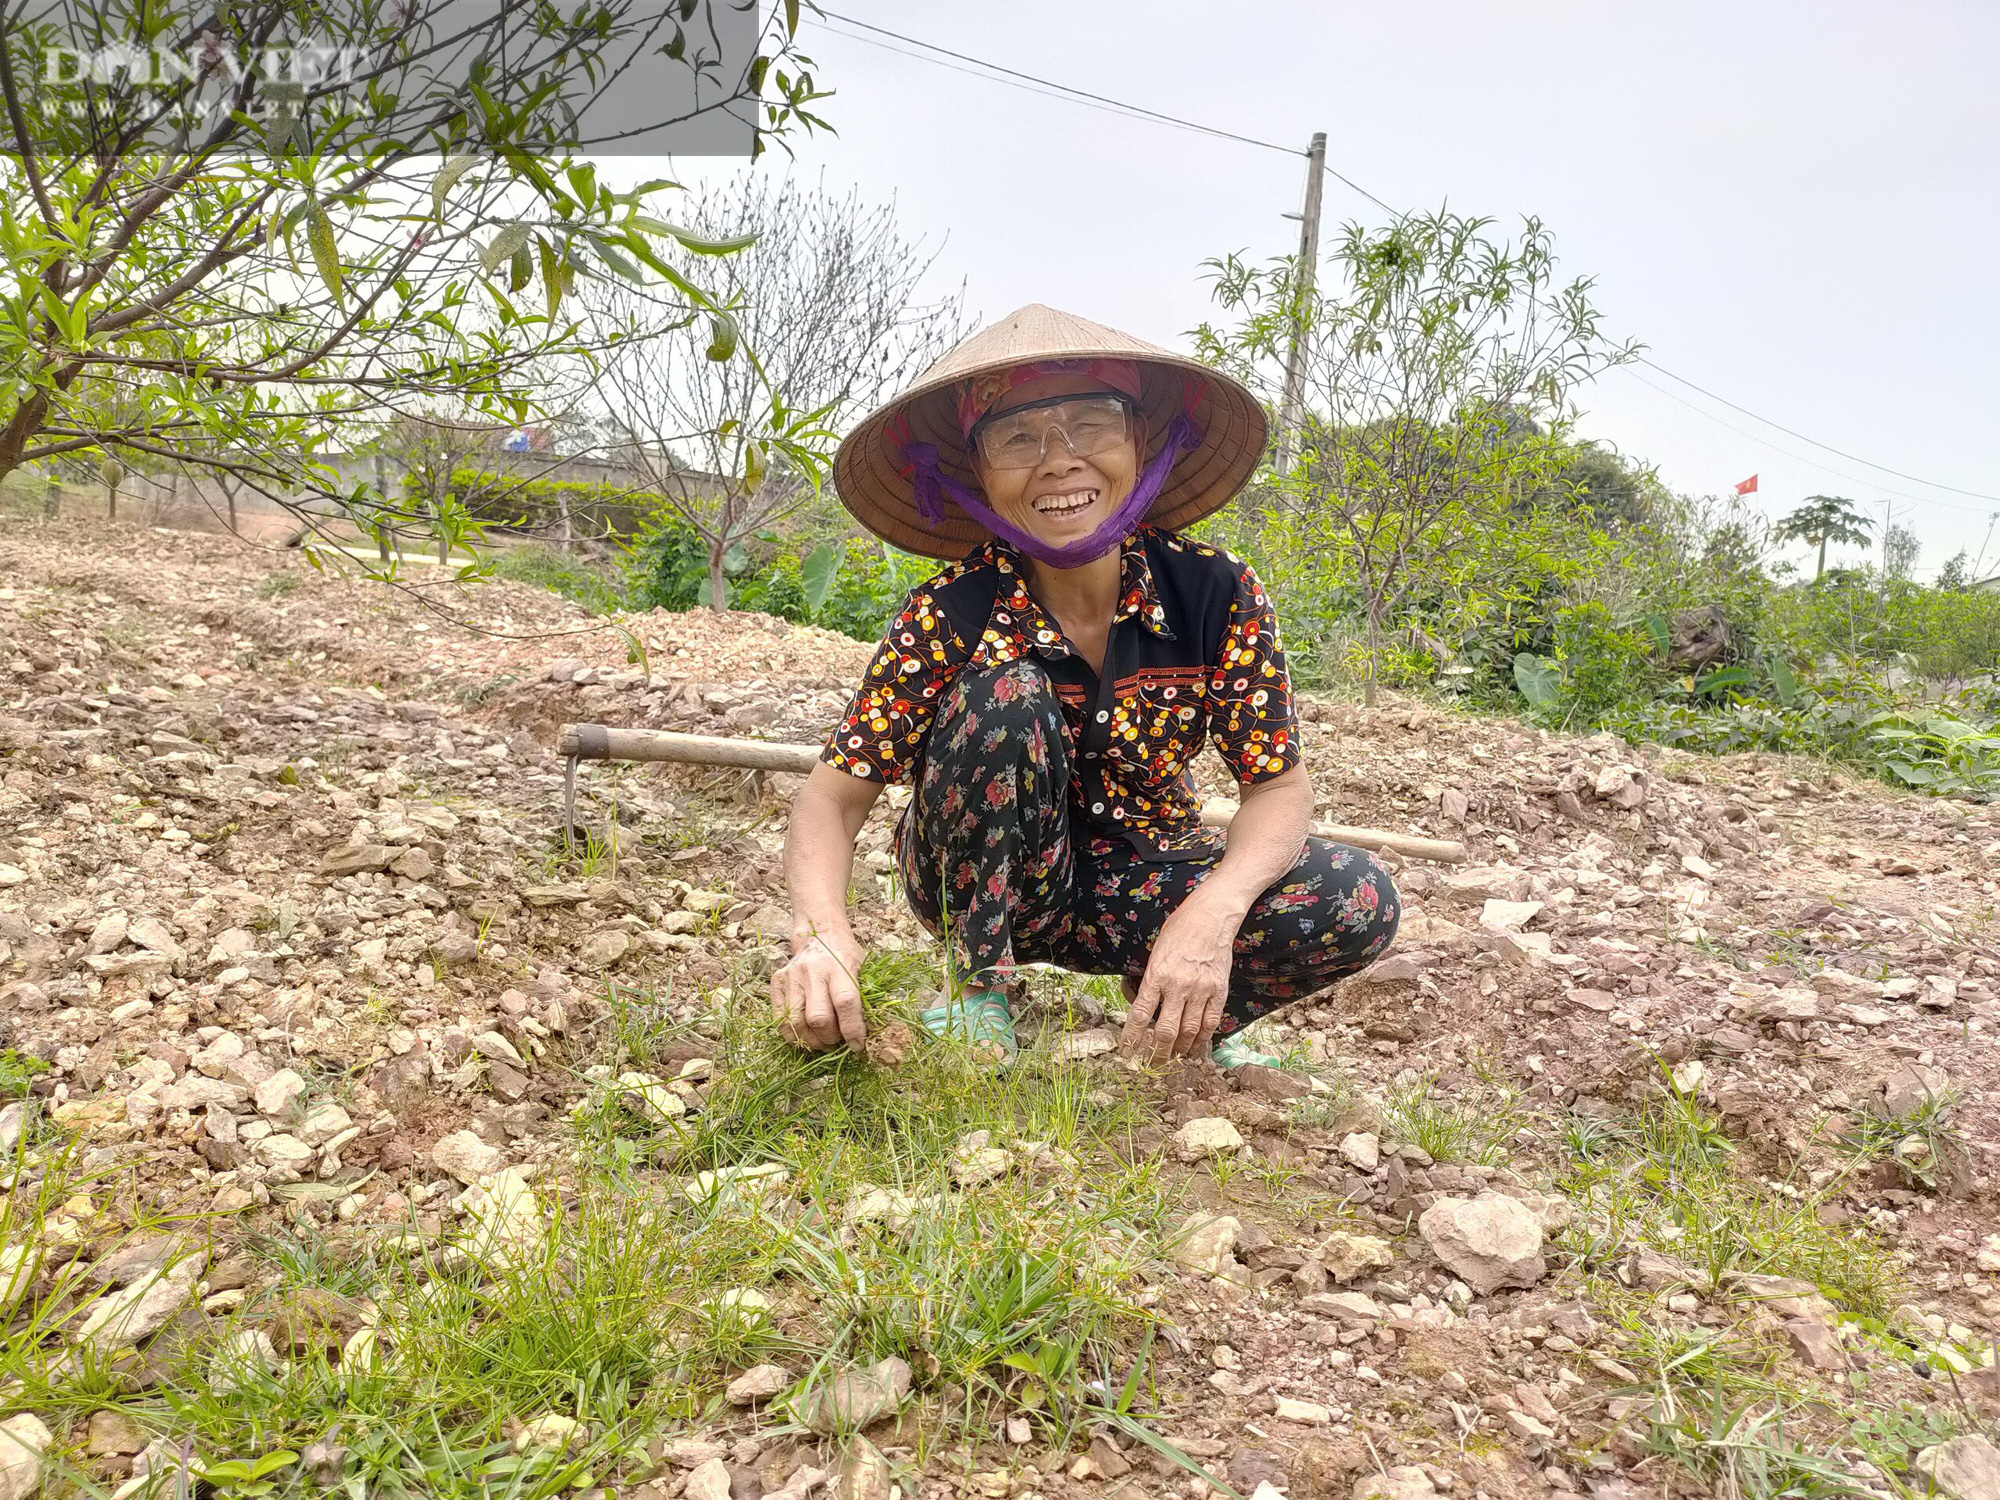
x=980, y=1018
x=1234, y=1052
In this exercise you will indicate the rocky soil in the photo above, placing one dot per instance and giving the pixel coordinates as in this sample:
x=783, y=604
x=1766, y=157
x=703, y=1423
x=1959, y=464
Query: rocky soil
x=289, y=936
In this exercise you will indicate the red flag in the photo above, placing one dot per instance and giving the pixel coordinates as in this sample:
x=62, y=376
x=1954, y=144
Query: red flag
x=1748, y=486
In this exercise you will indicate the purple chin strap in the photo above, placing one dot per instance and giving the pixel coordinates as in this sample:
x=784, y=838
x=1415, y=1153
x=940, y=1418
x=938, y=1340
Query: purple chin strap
x=933, y=487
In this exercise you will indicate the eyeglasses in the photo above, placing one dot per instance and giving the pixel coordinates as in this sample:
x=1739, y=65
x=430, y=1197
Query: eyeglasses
x=1019, y=439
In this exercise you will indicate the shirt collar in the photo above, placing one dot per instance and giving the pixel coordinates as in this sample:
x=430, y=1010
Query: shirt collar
x=1138, y=596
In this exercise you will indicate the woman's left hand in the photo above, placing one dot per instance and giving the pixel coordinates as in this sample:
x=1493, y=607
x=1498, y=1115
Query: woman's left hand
x=1180, y=999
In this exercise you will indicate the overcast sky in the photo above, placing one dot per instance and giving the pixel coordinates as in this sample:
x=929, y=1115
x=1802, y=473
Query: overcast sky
x=1793, y=205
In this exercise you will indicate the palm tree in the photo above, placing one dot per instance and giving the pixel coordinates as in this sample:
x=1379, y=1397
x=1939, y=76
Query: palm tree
x=1823, y=519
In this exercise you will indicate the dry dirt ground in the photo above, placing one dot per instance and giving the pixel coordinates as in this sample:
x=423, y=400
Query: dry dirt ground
x=1659, y=1155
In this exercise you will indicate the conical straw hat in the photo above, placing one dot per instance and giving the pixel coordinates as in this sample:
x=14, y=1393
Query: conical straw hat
x=871, y=479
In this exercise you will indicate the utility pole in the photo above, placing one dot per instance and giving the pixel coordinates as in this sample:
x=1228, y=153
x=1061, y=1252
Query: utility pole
x=1291, y=409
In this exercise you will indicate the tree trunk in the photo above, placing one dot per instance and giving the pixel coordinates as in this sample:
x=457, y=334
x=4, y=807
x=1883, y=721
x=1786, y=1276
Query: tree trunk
x=1374, y=652
x=111, y=500
x=718, y=585
x=229, y=494
x=1820, y=572
x=52, y=498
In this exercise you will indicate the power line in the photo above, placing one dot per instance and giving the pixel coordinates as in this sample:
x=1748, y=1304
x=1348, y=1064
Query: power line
x=979, y=67
x=1810, y=463
x=1043, y=85
x=1837, y=452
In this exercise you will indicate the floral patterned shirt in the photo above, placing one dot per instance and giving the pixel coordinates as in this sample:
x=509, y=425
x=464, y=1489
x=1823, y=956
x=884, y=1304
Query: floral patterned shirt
x=1192, y=655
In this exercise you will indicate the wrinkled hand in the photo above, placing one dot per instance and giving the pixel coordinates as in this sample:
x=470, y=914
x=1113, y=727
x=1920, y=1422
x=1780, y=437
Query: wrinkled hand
x=1180, y=999
x=815, y=997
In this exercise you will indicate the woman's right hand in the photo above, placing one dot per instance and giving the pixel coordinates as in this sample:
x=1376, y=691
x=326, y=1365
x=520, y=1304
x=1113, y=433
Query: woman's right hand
x=816, y=997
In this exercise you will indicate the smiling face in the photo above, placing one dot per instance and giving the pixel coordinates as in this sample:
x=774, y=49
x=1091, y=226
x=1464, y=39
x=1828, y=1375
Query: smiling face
x=1063, y=498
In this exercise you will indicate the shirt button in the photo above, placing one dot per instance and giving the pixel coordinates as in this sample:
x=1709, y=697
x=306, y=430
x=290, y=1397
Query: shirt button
x=1097, y=807
x=1103, y=714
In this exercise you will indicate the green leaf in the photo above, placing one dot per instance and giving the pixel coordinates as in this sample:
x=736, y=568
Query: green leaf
x=447, y=175
x=500, y=249
x=521, y=271
x=701, y=244
x=1538, y=678
x=819, y=572
x=722, y=337
x=325, y=252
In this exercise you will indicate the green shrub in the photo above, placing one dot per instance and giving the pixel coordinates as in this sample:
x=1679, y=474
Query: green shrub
x=595, y=588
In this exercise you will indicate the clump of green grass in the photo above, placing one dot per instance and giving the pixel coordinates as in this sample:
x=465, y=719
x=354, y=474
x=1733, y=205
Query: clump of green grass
x=1474, y=1123
x=1666, y=1179
x=860, y=1236
x=279, y=585
x=546, y=567
x=18, y=1071
x=1921, y=1145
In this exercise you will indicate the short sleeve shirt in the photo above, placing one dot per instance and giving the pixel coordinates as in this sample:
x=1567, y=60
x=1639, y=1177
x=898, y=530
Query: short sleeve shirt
x=1193, y=655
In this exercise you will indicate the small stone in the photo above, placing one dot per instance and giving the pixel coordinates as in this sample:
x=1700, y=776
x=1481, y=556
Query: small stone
x=284, y=1150
x=137, y=1312
x=1489, y=1242
x=603, y=949
x=1398, y=1482
x=1349, y=1309
x=24, y=1438
x=465, y=1156
x=550, y=1430
x=114, y=1433
x=864, y=1475
x=1203, y=1138
x=1346, y=1255
x=1508, y=916
x=355, y=859
x=323, y=1123
x=276, y=1095
x=413, y=863
x=709, y=1482
x=1209, y=1244
x=855, y=1399
x=759, y=1383
x=1362, y=1150
x=1698, y=867
x=151, y=934
x=108, y=936
x=975, y=1161
x=1307, y=1413
x=1911, y=1089
x=1816, y=1344
x=1966, y=1468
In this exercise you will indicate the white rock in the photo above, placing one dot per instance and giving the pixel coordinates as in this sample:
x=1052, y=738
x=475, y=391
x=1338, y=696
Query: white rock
x=276, y=1095
x=108, y=936
x=322, y=1124
x=1508, y=916
x=1489, y=1242
x=507, y=1229
x=1209, y=1244
x=1965, y=1468
x=151, y=934
x=24, y=1438
x=1213, y=1136
x=550, y=1430
x=709, y=1482
x=466, y=1157
x=137, y=1312
x=1362, y=1150
x=1310, y=1413
x=1698, y=867
x=1397, y=1482
x=282, y=1150
x=758, y=1383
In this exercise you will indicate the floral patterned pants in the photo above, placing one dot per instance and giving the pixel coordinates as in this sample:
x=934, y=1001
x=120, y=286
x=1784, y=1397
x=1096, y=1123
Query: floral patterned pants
x=988, y=853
